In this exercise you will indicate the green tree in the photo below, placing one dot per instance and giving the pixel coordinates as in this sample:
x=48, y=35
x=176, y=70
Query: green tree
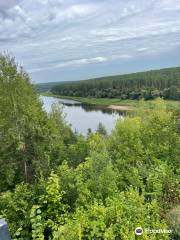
x=23, y=127
x=173, y=93
x=101, y=130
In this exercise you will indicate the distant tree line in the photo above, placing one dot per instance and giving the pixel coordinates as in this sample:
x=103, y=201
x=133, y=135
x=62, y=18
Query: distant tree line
x=44, y=87
x=164, y=83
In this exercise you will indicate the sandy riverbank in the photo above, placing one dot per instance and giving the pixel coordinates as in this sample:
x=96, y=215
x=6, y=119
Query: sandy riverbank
x=121, y=108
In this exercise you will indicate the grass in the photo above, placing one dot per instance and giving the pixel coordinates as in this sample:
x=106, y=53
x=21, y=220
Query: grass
x=171, y=104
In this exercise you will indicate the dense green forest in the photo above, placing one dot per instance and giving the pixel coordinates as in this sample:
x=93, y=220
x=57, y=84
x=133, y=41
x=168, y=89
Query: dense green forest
x=164, y=83
x=59, y=185
x=45, y=87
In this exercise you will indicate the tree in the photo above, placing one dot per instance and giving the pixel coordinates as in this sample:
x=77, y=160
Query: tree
x=101, y=130
x=84, y=188
x=148, y=85
x=23, y=126
x=30, y=140
x=173, y=93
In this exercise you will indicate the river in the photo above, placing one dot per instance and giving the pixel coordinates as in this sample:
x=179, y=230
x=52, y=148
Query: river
x=81, y=117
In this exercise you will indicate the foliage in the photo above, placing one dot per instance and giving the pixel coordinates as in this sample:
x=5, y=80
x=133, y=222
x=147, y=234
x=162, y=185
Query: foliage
x=149, y=85
x=98, y=187
x=174, y=221
x=116, y=219
x=31, y=142
x=101, y=129
x=23, y=127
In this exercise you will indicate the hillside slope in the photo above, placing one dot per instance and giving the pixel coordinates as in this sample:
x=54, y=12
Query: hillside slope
x=149, y=85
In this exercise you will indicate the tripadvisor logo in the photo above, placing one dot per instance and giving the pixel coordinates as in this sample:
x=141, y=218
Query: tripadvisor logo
x=139, y=231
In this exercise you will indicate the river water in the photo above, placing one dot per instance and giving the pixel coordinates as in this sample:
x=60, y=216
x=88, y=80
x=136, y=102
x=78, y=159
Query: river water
x=81, y=117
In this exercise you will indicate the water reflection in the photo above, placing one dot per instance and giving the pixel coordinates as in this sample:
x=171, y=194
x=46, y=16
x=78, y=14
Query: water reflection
x=103, y=109
x=81, y=117
x=92, y=107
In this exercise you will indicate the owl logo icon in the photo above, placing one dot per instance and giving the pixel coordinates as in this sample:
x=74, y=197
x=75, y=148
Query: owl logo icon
x=139, y=231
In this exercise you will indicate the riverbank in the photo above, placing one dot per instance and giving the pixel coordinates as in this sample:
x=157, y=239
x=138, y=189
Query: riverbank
x=117, y=104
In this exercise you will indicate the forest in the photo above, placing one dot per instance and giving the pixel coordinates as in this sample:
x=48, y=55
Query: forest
x=58, y=185
x=45, y=87
x=164, y=83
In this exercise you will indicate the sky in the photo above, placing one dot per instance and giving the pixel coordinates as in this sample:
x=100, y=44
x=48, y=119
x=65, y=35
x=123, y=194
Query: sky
x=65, y=40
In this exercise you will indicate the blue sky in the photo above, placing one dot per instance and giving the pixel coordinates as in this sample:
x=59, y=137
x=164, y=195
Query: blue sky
x=62, y=40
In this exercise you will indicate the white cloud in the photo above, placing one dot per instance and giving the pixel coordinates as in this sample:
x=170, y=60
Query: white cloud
x=143, y=49
x=78, y=10
x=169, y=4
x=48, y=34
x=6, y=4
x=76, y=62
x=82, y=61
